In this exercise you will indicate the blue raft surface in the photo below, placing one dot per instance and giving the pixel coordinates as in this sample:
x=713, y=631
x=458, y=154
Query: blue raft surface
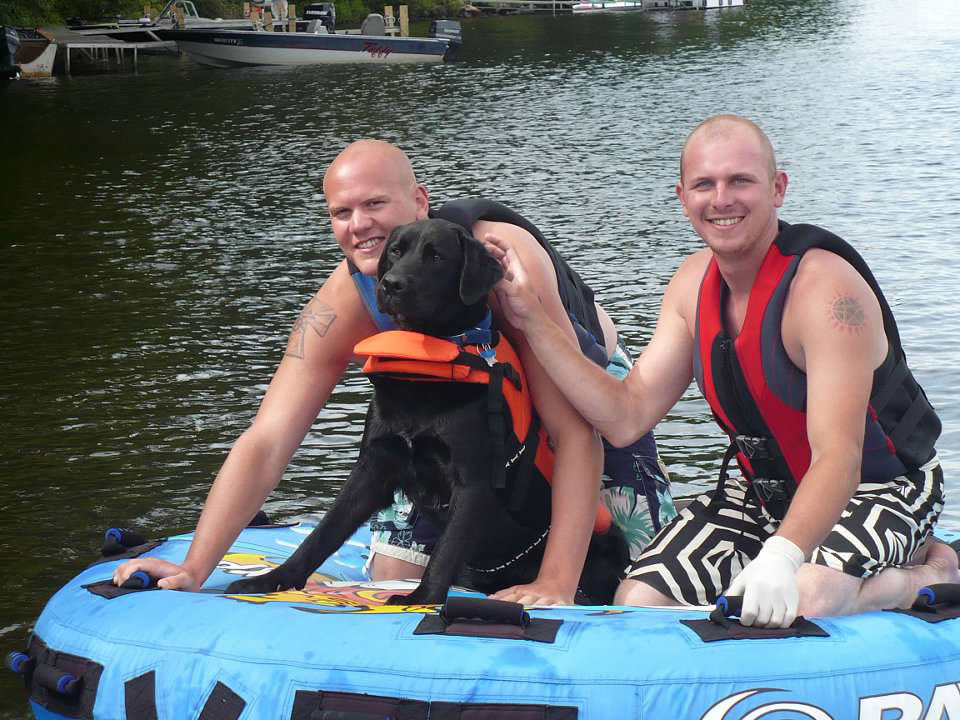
x=174, y=655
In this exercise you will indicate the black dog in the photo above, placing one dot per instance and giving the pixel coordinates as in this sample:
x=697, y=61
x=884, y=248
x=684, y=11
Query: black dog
x=434, y=441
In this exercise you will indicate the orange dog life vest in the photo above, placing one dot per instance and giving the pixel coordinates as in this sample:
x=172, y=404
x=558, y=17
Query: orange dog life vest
x=418, y=357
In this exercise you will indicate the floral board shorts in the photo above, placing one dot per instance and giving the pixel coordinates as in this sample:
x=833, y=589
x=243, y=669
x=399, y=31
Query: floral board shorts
x=635, y=488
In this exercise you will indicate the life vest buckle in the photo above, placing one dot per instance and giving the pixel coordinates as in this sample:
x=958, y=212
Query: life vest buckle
x=768, y=489
x=752, y=447
x=488, y=353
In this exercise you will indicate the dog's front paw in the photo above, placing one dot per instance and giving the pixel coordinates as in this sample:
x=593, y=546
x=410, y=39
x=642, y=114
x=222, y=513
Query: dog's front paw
x=270, y=582
x=418, y=597
x=404, y=600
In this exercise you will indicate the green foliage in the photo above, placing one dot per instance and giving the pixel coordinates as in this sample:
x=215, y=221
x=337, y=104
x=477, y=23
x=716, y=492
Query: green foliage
x=27, y=12
x=94, y=9
x=434, y=8
x=350, y=12
x=217, y=8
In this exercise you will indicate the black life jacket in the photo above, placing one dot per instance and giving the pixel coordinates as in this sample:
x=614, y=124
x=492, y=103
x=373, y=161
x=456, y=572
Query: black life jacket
x=758, y=396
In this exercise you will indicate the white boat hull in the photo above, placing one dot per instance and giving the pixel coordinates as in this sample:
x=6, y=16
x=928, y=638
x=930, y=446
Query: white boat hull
x=244, y=48
x=36, y=54
x=42, y=65
x=606, y=7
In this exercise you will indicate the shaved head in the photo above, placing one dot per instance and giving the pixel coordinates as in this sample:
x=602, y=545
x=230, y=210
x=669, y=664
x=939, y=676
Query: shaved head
x=720, y=127
x=370, y=189
x=364, y=157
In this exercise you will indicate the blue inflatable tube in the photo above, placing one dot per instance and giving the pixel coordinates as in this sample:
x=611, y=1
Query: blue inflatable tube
x=334, y=650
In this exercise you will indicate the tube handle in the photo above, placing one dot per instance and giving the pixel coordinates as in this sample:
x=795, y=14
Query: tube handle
x=728, y=606
x=139, y=580
x=20, y=662
x=939, y=594
x=58, y=681
x=485, y=610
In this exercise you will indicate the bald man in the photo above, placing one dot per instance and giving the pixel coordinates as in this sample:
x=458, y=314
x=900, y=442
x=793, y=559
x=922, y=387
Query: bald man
x=797, y=353
x=370, y=188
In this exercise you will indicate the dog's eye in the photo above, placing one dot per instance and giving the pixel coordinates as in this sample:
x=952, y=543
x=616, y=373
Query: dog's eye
x=395, y=250
x=433, y=256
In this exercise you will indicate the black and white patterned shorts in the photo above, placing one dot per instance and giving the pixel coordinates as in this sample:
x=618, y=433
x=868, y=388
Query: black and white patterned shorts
x=695, y=557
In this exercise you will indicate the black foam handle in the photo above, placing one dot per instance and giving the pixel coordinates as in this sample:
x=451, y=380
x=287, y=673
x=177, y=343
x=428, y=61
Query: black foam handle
x=58, y=681
x=727, y=607
x=939, y=594
x=126, y=538
x=138, y=580
x=499, y=612
x=20, y=662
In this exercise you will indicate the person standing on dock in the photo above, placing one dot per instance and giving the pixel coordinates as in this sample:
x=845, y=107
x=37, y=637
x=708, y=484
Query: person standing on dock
x=797, y=353
x=370, y=189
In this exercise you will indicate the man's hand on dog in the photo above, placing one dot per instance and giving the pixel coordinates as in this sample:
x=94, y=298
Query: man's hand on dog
x=519, y=302
x=167, y=575
x=539, y=592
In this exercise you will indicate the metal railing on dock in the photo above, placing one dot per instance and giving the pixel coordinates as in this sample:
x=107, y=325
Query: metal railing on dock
x=97, y=48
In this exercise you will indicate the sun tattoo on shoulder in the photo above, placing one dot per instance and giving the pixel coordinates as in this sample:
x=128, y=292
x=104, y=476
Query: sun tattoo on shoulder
x=847, y=314
x=316, y=316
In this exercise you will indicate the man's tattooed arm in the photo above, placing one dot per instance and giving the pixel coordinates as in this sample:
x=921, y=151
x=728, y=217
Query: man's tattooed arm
x=316, y=316
x=847, y=315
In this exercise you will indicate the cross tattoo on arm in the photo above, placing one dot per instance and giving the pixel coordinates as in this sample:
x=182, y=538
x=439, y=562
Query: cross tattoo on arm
x=316, y=316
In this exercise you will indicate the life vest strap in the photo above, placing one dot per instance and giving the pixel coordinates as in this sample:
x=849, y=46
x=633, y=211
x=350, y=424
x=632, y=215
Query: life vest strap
x=495, y=407
x=886, y=392
x=524, y=466
x=910, y=419
x=719, y=494
x=774, y=494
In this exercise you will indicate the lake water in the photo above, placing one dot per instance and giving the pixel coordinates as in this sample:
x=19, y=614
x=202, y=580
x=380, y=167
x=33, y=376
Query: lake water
x=161, y=230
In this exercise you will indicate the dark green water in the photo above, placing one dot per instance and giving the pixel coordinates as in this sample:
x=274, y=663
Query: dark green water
x=159, y=231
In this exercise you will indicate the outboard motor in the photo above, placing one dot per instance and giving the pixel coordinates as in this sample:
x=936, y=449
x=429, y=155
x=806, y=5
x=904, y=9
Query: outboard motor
x=449, y=29
x=9, y=42
x=325, y=12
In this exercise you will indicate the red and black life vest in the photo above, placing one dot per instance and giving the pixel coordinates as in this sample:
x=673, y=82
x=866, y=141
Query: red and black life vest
x=527, y=454
x=758, y=396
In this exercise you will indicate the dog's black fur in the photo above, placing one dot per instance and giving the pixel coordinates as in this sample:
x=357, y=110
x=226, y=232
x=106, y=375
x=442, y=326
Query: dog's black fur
x=432, y=440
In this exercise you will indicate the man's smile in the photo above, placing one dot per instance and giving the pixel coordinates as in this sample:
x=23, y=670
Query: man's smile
x=368, y=243
x=724, y=222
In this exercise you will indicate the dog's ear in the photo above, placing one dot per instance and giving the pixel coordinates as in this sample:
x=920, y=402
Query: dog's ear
x=480, y=271
x=383, y=264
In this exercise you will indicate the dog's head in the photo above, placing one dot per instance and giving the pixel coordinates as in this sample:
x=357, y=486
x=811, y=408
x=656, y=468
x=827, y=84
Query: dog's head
x=434, y=277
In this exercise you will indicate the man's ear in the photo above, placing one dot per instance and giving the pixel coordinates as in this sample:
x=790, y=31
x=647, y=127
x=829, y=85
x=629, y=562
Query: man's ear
x=480, y=271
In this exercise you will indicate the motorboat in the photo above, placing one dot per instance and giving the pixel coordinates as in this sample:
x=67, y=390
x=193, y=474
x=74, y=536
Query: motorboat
x=238, y=48
x=600, y=6
x=26, y=53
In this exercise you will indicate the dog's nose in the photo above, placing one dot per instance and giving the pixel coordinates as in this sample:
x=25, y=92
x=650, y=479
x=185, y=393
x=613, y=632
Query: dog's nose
x=391, y=285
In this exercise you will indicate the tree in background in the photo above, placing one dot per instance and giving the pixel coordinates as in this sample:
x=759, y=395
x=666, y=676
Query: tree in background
x=40, y=12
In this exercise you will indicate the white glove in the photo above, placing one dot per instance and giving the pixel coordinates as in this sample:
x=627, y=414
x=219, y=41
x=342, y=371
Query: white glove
x=769, y=585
